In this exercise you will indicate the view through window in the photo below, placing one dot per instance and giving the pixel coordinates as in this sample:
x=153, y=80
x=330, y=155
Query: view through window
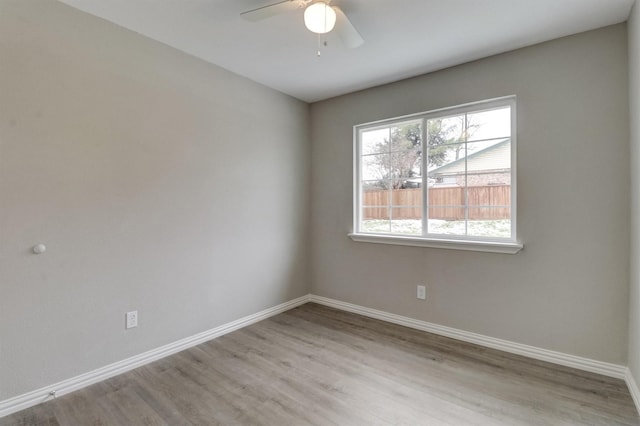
x=445, y=174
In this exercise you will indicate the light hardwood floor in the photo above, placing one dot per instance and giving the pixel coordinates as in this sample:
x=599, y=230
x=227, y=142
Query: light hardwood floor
x=316, y=365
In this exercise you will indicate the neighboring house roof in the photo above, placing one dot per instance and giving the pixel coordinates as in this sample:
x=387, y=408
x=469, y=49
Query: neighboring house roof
x=495, y=157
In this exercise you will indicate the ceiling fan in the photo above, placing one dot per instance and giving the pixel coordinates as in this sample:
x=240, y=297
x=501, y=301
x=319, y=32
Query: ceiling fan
x=319, y=17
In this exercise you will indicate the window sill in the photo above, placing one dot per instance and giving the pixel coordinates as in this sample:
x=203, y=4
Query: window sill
x=485, y=246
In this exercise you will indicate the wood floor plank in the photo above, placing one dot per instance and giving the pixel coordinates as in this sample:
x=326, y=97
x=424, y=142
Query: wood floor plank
x=338, y=378
x=384, y=376
x=79, y=407
x=315, y=365
x=281, y=380
x=515, y=380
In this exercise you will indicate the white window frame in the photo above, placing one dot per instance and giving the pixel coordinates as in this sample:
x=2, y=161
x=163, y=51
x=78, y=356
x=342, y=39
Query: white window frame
x=496, y=245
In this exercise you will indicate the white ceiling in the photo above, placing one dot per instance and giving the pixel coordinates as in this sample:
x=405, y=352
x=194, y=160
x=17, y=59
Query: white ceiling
x=403, y=38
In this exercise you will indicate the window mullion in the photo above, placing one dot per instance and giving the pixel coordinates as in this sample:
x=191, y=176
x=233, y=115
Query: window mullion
x=466, y=175
x=390, y=180
x=425, y=180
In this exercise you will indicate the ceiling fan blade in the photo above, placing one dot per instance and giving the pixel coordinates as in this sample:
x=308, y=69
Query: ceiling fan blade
x=346, y=31
x=270, y=10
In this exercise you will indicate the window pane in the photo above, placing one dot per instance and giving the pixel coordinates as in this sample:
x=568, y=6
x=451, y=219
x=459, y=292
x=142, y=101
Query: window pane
x=451, y=212
x=407, y=198
x=441, y=133
x=405, y=168
x=405, y=160
x=488, y=155
x=489, y=222
x=492, y=124
x=375, y=213
x=489, y=213
x=374, y=141
x=406, y=136
x=406, y=221
x=489, y=173
x=444, y=154
x=375, y=219
x=447, y=220
x=447, y=195
x=488, y=194
x=375, y=167
x=446, y=164
x=445, y=130
x=375, y=194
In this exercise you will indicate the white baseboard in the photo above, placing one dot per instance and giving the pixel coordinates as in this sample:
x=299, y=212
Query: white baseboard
x=633, y=388
x=29, y=399
x=586, y=364
x=32, y=398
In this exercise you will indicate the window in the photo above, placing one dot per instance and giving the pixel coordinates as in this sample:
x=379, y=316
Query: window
x=442, y=178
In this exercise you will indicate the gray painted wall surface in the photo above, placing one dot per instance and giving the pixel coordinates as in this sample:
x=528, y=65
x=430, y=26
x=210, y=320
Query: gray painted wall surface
x=157, y=181
x=634, y=116
x=165, y=184
x=567, y=290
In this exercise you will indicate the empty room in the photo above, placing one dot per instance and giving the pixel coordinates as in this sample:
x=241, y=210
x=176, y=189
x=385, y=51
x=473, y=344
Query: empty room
x=314, y=212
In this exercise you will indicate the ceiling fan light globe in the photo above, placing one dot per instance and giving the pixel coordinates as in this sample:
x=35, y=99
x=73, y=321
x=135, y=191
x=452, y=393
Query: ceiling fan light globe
x=319, y=18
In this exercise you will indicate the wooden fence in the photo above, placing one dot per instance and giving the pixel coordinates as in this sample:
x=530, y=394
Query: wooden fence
x=376, y=203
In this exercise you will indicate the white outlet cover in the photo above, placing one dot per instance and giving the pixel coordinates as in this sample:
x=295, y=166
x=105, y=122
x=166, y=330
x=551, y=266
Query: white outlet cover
x=131, y=319
x=421, y=292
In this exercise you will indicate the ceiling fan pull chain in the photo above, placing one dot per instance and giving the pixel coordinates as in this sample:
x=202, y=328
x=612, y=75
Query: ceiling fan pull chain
x=321, y=43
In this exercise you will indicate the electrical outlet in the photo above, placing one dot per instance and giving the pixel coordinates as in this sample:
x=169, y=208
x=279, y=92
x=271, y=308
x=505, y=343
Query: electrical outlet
x=131, y=319
x=422, y=292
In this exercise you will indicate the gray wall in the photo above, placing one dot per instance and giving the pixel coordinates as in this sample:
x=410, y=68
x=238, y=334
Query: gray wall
x=167, y=185
x=634, y=115
x=158, y=182
x=567, y=290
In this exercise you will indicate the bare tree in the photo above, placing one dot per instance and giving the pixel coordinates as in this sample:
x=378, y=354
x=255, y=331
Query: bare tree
x=399, y=156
